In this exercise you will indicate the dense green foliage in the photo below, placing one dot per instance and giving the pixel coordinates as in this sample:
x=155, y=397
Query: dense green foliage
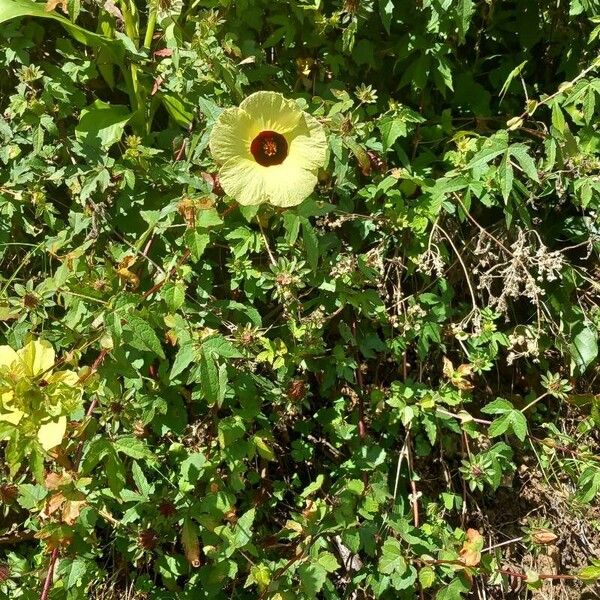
x=334, y=400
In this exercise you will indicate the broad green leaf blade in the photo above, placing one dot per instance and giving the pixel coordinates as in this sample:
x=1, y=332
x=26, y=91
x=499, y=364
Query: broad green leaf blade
x=142, y=336
x=464, y=12
x=525, y=161
x=584, y=348
x=14, y=9
x=102, y=124
x=505, y=176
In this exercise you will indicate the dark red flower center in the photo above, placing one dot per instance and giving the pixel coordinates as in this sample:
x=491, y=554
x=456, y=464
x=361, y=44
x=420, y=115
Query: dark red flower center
x=269, y=148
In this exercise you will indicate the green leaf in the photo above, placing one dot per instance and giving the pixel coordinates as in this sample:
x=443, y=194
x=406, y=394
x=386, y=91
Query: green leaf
x=386, y=11
x=180, y=111
x=510, y=419
x=312, y=578
x=328, y=561
x=134, y=447
x=518, y=424
x=208, y=217
x=174, y=295
x=30, y=495
x=391, y=127
x=115, y=473
x=590, y=574
x=589, y=105
x=497, y=407
x=558, y=119
x=192, y=468
x=427, y=577
x=209, y=379
x=219, y=346
x=505, y=176
x=316, y=485
x=514, y=73
x=311, y=244
x=391, y=560
x=453, y=591
x=76, y=571
x=190, y=542
x=95, y=451
x=142, y=336
x=187, y=354
x=102, y=124
x=140, y=480
x=263, y=449
x=525, y=161
x=230, y=429
x=242, y=532
x=499, y=426
x=489, y=152
x=464, y=12
x=209, y=109
x=584, y=348
x=196, y=242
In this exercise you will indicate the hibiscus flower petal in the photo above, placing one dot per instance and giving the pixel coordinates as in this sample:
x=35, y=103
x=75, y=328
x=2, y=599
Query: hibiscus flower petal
x=244, y=180
x=288, y=184
x=36, y=357
x=272, y=112
x=308, y=144
x=7, y=356
x=12, y=417
x=51, y=434
x=232, y=135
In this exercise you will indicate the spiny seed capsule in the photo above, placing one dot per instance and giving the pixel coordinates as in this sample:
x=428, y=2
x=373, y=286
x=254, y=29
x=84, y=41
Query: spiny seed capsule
x=297, y=389
x=166, y=508
x=148, y=539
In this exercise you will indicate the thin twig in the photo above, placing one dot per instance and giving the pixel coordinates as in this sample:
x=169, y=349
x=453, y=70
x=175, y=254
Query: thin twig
x=506, y=543
x=464, y=267
x=534, y=402
x=266, y=241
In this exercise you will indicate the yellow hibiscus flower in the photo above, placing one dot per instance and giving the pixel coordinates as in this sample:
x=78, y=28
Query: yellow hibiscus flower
x=269, y=151
x=27, y=384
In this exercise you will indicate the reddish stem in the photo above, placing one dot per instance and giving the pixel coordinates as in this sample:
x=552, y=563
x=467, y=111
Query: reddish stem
x=507, y=572
x=49, y=575
x=518, y=575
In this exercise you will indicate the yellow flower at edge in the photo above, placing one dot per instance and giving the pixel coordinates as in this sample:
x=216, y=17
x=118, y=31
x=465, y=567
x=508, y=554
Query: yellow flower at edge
x=269, y=150
x=34, y=360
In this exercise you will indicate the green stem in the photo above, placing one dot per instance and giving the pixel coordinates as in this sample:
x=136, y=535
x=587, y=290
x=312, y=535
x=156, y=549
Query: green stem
x=130, y=21
x=150, y=25
x=136, y=95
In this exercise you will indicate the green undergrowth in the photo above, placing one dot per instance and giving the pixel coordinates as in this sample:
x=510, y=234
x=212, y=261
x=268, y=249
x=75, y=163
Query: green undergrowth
x=388, y=391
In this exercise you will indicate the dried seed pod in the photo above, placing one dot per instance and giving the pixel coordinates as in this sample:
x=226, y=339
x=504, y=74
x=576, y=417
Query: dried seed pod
x=543, y=536
x=297, y=389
